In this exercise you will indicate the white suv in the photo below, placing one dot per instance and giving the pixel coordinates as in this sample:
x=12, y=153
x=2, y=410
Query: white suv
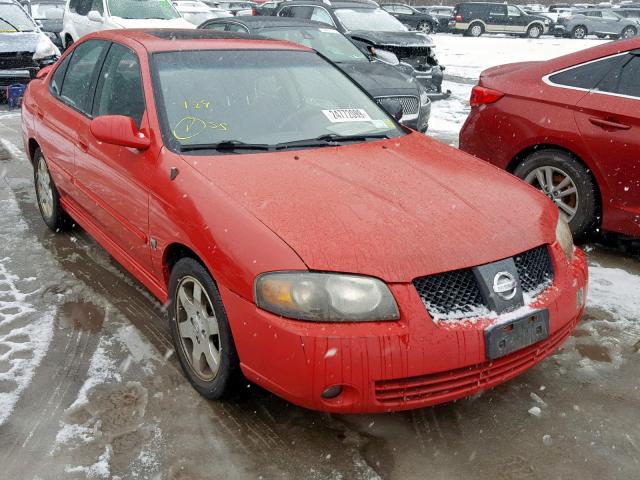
x=86, y=16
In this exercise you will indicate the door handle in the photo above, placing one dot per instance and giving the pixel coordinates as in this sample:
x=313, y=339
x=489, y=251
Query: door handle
x=601, y=122
x=83, y=146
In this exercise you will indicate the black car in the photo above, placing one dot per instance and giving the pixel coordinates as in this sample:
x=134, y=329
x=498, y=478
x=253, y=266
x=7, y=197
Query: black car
x=442, y=13
x=48, y=14
x=383, y=82
x=24, y=49
x=412, y=18
x=475, y=18
x=376, y=33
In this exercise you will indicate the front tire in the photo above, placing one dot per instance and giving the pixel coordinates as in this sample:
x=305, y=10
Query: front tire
x=579, y=32
x=47, y=195
x=425, y=27
x=629, y=32
x=200, y=330
x=562, y=178
x=534, y=31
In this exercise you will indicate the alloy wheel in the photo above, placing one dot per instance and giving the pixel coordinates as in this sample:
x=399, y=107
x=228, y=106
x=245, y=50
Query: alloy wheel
x=198, y=328
x=534, y=32
x=558, y=186
x=44, y=189
x=579, y=32
x=476, y=30
x=425, y=27
x=629, y=32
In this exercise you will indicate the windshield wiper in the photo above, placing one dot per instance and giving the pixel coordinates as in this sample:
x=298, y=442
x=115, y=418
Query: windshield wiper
x=329, y=140
x=226, y=146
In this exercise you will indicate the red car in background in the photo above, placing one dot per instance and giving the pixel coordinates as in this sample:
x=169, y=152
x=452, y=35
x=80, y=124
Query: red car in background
x=300, y=234
x=571, y=128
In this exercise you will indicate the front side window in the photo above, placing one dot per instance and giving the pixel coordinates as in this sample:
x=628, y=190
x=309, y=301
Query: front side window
x=219, y=27
x=141, y=9
x=513, y=11
x=588, y=75
x=330, y=43
x=609, y=15
x=404, y=10
x=372, y=19
x=120, y=73
x=14, y=19
x=76, y=87
x=321, y=15
x=259, y=97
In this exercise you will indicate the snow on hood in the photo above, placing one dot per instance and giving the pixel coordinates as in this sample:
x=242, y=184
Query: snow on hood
x=18, y=41
x=152, y=23
x=393, y=39
x=379, y=79
x=395, y=209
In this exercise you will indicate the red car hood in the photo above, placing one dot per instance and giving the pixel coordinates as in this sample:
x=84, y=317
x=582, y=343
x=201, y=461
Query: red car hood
x=395, y=209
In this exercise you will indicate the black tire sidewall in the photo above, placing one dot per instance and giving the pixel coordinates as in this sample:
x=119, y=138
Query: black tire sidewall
x=228, y=371
x=585, y=220
x=58, y=220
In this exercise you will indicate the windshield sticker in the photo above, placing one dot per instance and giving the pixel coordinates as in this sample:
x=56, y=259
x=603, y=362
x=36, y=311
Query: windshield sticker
x=190, y=127
x=342, y=115
x=379, y=123
x=328, y=30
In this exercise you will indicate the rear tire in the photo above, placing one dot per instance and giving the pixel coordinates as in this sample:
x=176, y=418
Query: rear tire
x=562, y=178
x=475, y=30
x=200, y=330
x=579, y=32
x=47, y=196
x=534, y=31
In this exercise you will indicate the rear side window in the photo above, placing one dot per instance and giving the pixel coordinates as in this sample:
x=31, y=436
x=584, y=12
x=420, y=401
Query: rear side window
x=497, y=10
x=76, y=88
x=587, y=75
x=58, y=76
x=625, y=80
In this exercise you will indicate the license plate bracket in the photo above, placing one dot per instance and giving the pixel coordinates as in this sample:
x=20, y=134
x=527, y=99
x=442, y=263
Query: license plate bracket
x=505, y=338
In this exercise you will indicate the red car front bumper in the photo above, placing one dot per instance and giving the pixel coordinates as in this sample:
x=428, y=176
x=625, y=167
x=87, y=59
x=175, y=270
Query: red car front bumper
x=388, y=366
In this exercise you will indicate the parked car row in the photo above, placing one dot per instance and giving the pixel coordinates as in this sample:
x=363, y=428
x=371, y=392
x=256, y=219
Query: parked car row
x=299, y=235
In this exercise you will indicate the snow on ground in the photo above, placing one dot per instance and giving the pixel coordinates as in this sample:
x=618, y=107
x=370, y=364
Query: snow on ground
x=465, y=58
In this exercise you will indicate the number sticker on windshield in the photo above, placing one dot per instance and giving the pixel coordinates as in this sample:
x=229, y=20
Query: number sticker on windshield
x=347, y=115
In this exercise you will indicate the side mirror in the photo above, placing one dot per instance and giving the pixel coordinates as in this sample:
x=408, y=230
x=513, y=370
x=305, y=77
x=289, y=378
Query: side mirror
x=392, y=106
x=95, y=16
x=385, y=56
x=119, y=130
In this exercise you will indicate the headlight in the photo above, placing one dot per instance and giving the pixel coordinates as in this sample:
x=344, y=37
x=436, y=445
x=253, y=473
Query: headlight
x=424, y=97
x=325, y=297
x=45, y=48
x=564, y=237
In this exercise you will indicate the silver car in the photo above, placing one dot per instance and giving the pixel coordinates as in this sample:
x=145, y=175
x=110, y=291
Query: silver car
x=595, y=21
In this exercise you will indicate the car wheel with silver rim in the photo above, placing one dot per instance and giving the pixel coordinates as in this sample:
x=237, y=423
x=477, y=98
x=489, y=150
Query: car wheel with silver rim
x=475, y=30
x=565, y=180
x=629, y=32
x=47, y=195
x=579, y=32
x=425, y=27
x=534, y=31
x=200, y=330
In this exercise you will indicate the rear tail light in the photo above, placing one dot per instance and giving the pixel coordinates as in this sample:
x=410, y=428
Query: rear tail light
x=254, y=12
x=484, y=96
x=458, y=18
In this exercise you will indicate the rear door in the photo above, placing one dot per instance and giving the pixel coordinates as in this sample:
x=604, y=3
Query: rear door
x=497, y=20
x=112, y=179
x=609, y=121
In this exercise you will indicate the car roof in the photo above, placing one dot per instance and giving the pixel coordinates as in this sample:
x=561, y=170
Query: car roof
x=268, y=21
x=334, y=5
x=167, y=40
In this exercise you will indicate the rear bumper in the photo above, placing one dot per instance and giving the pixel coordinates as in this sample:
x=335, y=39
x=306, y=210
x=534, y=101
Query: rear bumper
x=390, y=366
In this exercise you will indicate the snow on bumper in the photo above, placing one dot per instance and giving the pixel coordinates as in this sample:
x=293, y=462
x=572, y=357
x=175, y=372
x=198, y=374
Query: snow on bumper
x=389, y=366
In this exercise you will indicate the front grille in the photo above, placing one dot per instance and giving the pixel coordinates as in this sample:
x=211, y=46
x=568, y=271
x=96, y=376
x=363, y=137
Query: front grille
x=456, y=295
x=452, y=294
x=410, y=105
x=535, y=270
x=418, y=57
x=445, y=386
x=16, y=60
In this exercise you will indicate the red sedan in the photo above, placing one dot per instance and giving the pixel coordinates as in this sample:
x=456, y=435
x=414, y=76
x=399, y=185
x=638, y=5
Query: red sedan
x=301, y=236
x=571, y=128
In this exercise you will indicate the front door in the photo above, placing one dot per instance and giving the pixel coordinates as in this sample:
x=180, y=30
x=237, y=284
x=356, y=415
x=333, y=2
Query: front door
x=113, y=179
x=517, y=21
x=608, y=118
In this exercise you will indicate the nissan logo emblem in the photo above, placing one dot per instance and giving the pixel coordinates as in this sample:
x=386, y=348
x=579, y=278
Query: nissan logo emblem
x=504, y=285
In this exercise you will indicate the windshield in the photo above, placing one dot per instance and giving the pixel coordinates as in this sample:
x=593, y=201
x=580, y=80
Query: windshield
x=260, y=97
x=141, y=9
x=14, y=19
x=47, y=11
x=376, y=20
x=330, y=43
